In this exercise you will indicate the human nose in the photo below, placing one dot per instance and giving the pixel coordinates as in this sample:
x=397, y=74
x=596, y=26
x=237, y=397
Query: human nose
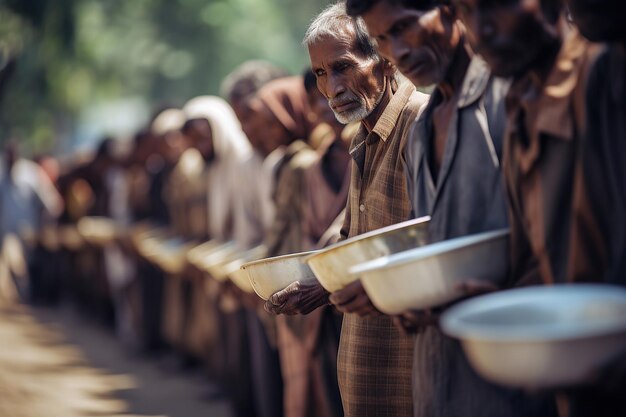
x=486, y=28
x=336, y=86
x=399, y=51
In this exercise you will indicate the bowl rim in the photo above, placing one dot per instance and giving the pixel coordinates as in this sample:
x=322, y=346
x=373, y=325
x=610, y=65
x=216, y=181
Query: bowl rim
x=425, y=220
x=274, y=259
x=443, y=247
x=452, y=322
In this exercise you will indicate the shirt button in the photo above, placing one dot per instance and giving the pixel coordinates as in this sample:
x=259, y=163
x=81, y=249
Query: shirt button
x=362, y=208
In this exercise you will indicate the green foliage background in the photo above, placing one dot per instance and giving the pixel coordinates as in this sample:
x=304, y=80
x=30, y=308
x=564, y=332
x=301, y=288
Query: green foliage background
x=58, y=57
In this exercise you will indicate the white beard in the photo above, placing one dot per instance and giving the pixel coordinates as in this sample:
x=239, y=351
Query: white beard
x=359, y=113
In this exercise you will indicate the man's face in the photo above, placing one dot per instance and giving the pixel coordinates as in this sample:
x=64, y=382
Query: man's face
x=320, y=108
x=263, y=129
x=600, y=20
x=420, y=43
x=200, y=137
x=509, y=34
x=352, y=83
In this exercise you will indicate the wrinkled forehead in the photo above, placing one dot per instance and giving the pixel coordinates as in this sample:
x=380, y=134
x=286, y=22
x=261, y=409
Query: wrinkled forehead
x=330, y=49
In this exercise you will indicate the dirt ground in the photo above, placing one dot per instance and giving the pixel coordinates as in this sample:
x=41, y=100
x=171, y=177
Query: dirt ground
x=55, y=363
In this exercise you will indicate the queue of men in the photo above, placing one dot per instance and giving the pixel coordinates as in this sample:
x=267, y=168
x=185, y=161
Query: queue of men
x=523, y=129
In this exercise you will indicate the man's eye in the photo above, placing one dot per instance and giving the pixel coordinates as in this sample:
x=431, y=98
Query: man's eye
x=319, y=73
x=399, y=28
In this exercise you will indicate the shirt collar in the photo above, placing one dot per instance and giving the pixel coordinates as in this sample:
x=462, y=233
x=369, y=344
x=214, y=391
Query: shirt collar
x=386, y=122
x=475, y=82
x=555, y=118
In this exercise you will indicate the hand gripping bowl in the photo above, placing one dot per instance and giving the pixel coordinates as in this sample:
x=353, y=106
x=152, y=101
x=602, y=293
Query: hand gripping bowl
x=331, y=265
x=428, y=277
x=541, y=337
x=270, y=275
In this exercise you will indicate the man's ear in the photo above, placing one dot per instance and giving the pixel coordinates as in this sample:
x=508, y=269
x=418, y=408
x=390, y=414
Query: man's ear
x=388, y=68
x=449, y=11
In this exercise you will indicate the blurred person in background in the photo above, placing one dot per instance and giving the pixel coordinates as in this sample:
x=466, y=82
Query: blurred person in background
x=256, y=210
x=599, y=236
x=283, y=107
x=142, y=164
x=549, y=62
x=308, y=344
x=28, y=200
x=278, y=127
x=255, y=202
x=164, y=145
x=283, y=129
x=245, y=80
x=216, y=134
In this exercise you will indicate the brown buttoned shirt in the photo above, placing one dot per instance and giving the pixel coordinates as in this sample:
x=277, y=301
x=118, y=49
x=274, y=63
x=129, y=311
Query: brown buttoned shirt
x=375, y=360
x=545, y=124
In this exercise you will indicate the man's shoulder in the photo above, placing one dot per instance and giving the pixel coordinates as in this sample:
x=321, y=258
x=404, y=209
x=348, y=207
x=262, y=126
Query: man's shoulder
x=417, y=101
x=413, y=109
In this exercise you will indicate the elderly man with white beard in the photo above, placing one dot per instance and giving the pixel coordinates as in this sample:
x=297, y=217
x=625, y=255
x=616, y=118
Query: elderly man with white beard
x=375, y=360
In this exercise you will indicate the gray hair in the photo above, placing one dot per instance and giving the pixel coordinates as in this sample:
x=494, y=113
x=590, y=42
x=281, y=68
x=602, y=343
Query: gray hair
x=332, y=22
x=248, y=78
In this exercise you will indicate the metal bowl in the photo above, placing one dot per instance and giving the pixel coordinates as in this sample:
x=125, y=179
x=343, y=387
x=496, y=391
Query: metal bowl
x=69, y=237
x=241, y=279
x=212, y=254
x=427, y=277
x=99, y=231
x=171, y=255
x=541, y=337
x=332, y=264
x=232, y=269
x=270, y=275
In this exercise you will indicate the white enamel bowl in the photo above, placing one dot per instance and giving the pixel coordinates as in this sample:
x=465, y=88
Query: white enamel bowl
x=332, y=264
x=429, y=276
x=270, y=275
x=241, y=279
x=99, y=230
x=541, y=337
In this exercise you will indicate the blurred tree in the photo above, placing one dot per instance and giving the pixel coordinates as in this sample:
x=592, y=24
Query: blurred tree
x=58, y=57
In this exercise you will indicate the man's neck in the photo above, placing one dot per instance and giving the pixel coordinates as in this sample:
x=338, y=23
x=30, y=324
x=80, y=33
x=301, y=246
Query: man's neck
x=370, y=121
x=455, y=75
x=545, y=61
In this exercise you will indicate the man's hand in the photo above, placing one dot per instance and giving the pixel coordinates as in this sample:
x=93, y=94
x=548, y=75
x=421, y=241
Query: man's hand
x=297, y=298
x=353, y=299
x=414, y=322
x=471, y=288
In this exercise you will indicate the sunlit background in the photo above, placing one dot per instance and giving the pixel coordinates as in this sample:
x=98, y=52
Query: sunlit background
x=74, y=70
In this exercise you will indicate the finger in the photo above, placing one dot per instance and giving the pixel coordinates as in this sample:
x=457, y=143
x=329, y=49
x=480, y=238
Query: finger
x=360, y=304
x=342, y=298
x=347, y=293
x=268, y=307
x=278, y=298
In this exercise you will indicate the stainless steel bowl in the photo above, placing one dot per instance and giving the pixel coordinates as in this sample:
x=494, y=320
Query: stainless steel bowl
x=332, y=264
x=541, y=337
x=427, y=277
x=270, y=275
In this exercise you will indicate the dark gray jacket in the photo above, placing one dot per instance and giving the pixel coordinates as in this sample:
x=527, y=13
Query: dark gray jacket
x=469, y=197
